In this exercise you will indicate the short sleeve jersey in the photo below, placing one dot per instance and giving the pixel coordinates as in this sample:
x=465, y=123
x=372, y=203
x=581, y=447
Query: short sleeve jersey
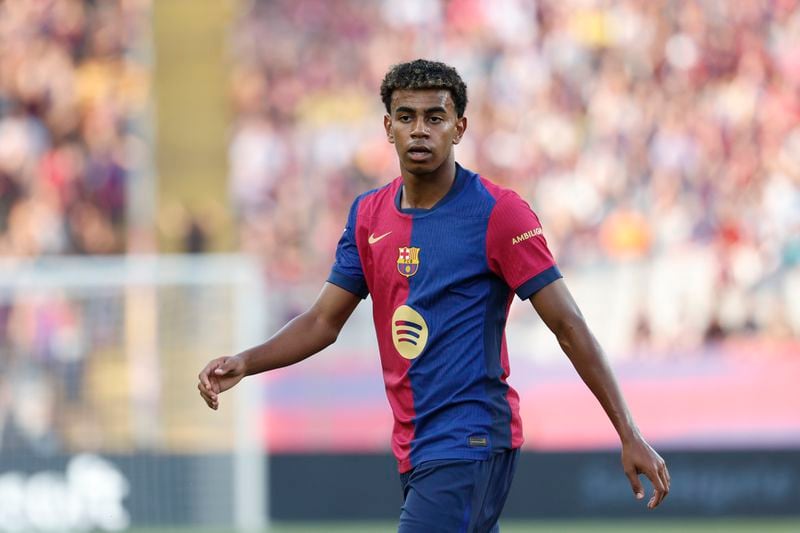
x=442, y=281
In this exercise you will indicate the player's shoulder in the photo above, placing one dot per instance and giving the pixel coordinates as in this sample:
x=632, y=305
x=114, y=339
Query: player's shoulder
x=374, y=199
x=502, y=196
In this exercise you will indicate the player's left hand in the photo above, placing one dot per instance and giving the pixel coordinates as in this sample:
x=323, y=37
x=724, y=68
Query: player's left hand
x=639, y=458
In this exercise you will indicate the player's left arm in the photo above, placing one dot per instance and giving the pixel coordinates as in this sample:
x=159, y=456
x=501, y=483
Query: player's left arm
x=561, y=314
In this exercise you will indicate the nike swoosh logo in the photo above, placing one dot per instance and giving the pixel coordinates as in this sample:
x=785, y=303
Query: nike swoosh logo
x=373, y=239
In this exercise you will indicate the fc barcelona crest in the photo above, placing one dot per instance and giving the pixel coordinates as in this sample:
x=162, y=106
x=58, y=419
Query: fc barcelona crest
x=408, y=261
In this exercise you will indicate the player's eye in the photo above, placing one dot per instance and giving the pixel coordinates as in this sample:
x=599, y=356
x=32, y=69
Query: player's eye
x=404, y=118
x=436, y=120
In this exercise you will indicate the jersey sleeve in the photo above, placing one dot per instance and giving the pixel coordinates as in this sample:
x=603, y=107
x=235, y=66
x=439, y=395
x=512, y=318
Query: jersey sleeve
x=346, y=271
x=516, y=248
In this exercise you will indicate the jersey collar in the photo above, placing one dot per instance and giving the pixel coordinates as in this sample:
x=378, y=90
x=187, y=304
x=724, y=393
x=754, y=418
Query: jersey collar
x=455, y=188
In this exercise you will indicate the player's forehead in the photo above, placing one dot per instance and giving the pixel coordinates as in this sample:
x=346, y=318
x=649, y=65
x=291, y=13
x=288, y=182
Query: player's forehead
x=421, y=100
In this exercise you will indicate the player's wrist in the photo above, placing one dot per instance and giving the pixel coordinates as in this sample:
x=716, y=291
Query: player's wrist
x=630, y=435
x=241, y=364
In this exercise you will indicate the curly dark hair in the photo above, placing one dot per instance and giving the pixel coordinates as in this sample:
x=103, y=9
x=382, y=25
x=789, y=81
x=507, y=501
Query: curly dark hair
x=424, y=74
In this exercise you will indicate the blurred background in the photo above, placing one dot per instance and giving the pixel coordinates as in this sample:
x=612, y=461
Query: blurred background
x=174, y=177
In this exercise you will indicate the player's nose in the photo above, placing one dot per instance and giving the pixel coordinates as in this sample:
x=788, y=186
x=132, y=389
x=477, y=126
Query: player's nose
x=419, y=128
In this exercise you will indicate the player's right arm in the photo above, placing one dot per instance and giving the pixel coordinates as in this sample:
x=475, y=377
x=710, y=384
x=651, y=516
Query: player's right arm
x=302, y=337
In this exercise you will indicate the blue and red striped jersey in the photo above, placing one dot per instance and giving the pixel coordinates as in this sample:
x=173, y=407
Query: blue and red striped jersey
x=442, y=281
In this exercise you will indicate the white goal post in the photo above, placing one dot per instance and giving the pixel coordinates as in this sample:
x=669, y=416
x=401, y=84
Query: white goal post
x=111, y=347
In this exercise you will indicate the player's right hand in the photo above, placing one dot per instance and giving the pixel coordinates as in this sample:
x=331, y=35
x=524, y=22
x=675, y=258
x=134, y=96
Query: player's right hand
x=219, y=375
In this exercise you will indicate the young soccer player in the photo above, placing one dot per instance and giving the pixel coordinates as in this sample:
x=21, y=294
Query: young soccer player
x=442, y=251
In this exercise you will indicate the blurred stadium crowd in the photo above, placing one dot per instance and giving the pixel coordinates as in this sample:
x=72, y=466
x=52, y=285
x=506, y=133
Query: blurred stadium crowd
x=657, y=136
x=640, y=131
x=69, y=90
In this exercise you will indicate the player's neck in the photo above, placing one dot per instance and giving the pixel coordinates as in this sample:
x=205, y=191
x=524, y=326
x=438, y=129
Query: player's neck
x=423, y=191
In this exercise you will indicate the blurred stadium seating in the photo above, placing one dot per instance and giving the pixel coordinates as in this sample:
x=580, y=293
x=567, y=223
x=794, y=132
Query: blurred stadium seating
x=658, y=141
x=658, y=136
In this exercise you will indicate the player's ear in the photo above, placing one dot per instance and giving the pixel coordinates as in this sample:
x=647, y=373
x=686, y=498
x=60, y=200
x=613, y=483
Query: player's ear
x=461, y=127
x=387, y=125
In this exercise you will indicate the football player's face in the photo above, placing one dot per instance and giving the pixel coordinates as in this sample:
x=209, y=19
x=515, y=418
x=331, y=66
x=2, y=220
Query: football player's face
x=423, y=126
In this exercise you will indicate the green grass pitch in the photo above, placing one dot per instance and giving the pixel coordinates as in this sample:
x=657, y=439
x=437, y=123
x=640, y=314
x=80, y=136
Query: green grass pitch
x=728, y=525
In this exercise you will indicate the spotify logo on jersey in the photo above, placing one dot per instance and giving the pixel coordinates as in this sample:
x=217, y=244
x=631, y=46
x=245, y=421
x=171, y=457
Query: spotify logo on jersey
x=409, y=332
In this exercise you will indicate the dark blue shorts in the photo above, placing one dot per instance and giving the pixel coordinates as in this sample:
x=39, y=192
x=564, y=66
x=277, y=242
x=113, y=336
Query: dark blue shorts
x=455, y=495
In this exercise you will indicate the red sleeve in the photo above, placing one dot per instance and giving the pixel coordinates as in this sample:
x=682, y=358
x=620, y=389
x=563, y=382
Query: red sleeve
x=516, y=247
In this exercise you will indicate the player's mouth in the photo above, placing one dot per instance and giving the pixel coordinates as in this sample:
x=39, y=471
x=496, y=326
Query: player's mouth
x=419, y=153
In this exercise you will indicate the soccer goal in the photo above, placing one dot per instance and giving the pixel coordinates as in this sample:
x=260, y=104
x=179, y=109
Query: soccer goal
x=101, y=424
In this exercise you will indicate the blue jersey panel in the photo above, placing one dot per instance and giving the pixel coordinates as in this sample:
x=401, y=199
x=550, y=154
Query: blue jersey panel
x=347, y=272
x=456, y=404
